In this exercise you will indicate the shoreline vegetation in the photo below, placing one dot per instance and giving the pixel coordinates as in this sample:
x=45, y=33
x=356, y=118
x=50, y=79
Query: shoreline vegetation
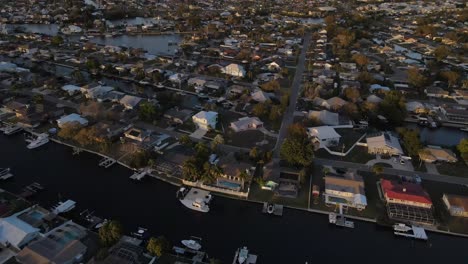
x=177, y=182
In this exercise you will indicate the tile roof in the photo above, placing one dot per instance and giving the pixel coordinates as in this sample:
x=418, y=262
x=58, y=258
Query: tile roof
x=405, y=191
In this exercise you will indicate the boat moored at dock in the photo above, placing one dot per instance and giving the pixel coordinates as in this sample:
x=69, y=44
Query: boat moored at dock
x=340, y=220
x=410, y=231
x=243, y=257
x=192, y=243
x=195, y=199
x=40, y=140
x=5, y=173
x=63, y=207
x=11, y=129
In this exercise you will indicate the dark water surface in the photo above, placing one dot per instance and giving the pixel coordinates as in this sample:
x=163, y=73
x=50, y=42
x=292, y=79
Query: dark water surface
x=294, y=238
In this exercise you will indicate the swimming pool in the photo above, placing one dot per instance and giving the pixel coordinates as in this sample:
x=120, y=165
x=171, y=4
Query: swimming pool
x=229, y=185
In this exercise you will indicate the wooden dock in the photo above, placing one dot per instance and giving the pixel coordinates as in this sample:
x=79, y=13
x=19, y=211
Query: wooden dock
x=138, y=175
x=277, y=209
x=107, y=162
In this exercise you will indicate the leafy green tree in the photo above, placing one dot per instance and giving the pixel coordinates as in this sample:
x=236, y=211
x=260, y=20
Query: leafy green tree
x=393, y=107
x=297, y=148
x=56, y=40
x=416, y=78
x=261, y=109
x=451, y=77
x=463, y=148
x=148, y=112
x=441, y=52
x=361, y=60
x=253, y=154
x=217, y=140
x=270, y=86
x=185, y=140
x=411, y=140
x=157, y=246
x=377, y=169
x=110, y=232
x=69, y=130
x=191, y=170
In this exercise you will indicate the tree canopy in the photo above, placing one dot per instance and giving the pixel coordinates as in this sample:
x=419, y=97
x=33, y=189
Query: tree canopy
x=157, y=246
x=110, y=232
x=297, y=148
x=411, y=140
x=393, y=107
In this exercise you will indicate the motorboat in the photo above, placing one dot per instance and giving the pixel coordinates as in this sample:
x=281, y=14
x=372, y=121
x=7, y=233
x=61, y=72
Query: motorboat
x=5, y=173
x=192, y=244
x=40, y=140
x=101, y=224
x=244, y=257
x=12, y=129
x=63, y=207
x=401, y=227
x=195, y=199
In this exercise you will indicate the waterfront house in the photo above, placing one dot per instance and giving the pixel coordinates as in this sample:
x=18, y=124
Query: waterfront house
x=136, y=134
x=323, y=136
x=246, y=123
x=405, y=193
x=433, y=154
x=72, y=118
x=16, y=232
x=234, y=173
x=127, y=251
x=383, y=143
x=457, y=205
x=346, y=189
x=60, y=245
x=205, y=120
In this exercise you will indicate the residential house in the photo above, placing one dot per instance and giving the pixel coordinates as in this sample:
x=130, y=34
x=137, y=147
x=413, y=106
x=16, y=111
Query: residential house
x=72, y=118
x=456, y=114
x=336, y=103
x=61, y=245
x=346, y=189
x=323, y=136
x=205, y=120
x=96, y=91
x=127, y=251
x=196, y=82
x=325, y=117
x=136, y=134
x=234, y=173
x=457, y=205
x=433, y=154
x=405, y=193
x=235, y=70
x=383, y=143
x=261, y=97
x=246, y=123
x=178, y=116
x=436, y=92
x=130, y=101
x=16, y=232
x=71, y=89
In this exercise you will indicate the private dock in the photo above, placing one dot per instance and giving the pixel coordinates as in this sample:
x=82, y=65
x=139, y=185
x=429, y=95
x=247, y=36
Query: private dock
x=274, y=209
x=138, y=175
x=340, y=220
x=107, y=162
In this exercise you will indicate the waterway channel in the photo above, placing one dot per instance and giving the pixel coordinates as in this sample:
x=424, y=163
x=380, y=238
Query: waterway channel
x=297, y=237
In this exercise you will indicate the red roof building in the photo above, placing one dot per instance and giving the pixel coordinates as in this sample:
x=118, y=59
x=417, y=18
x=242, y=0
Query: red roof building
x=405, y=193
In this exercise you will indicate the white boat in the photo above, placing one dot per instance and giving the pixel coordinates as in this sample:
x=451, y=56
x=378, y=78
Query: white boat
x=270, y=208
x=39, y=141
x=5, y=174
x=411, y=232
x=243, y=257
x=101, y=224
x=401, y=227
x=195, y=199
x=12, y=129
x=192, y=244
x=64, y=207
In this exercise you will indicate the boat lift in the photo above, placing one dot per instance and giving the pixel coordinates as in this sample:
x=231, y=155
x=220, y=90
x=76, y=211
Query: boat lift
x=107, y=162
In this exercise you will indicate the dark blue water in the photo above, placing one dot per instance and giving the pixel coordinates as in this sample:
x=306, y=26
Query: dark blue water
x=294, y=238
x=442, y=136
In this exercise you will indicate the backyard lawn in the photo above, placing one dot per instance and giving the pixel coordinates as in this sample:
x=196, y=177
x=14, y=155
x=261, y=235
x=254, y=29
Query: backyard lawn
x=458, y=168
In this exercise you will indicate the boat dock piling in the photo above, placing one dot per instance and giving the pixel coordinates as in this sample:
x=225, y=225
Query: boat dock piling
x=107, y=162
x=138, y=175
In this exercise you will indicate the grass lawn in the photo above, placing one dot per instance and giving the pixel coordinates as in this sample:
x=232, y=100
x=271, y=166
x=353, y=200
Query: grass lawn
x=458, y=168
x=249, y=138
x=357, y=155
x=257, y=194
x=348, y=138
x=385, y=165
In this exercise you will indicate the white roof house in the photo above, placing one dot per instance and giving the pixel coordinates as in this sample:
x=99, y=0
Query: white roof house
x=97, y=91
x=72, y=118
x=130, y=101
x=235, y=70
x=15, y=232
x=383, y=143
x=246, y=123
x=324, y=136
x=71, y=89
x=205, y=120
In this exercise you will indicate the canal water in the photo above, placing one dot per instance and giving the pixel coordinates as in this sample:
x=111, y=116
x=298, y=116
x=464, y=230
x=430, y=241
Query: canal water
x=46, y=29
x=442, y=136
x=296, y=237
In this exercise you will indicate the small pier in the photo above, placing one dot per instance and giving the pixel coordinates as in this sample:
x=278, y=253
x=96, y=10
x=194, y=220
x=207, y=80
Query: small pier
x=76, y=151
x=273, y=209
x=107, y=162
x=138, y=175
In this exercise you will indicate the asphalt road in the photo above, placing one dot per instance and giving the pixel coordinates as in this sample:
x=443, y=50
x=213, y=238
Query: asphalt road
x=391, y=171
x=288, y=116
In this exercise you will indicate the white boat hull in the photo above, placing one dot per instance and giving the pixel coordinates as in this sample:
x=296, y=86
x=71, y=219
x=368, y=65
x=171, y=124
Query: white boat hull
x=35, y=144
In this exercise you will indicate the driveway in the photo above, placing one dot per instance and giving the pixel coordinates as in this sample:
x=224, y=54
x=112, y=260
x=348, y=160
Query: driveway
x=395, y=164
x=199, y=133
x=431, y=168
